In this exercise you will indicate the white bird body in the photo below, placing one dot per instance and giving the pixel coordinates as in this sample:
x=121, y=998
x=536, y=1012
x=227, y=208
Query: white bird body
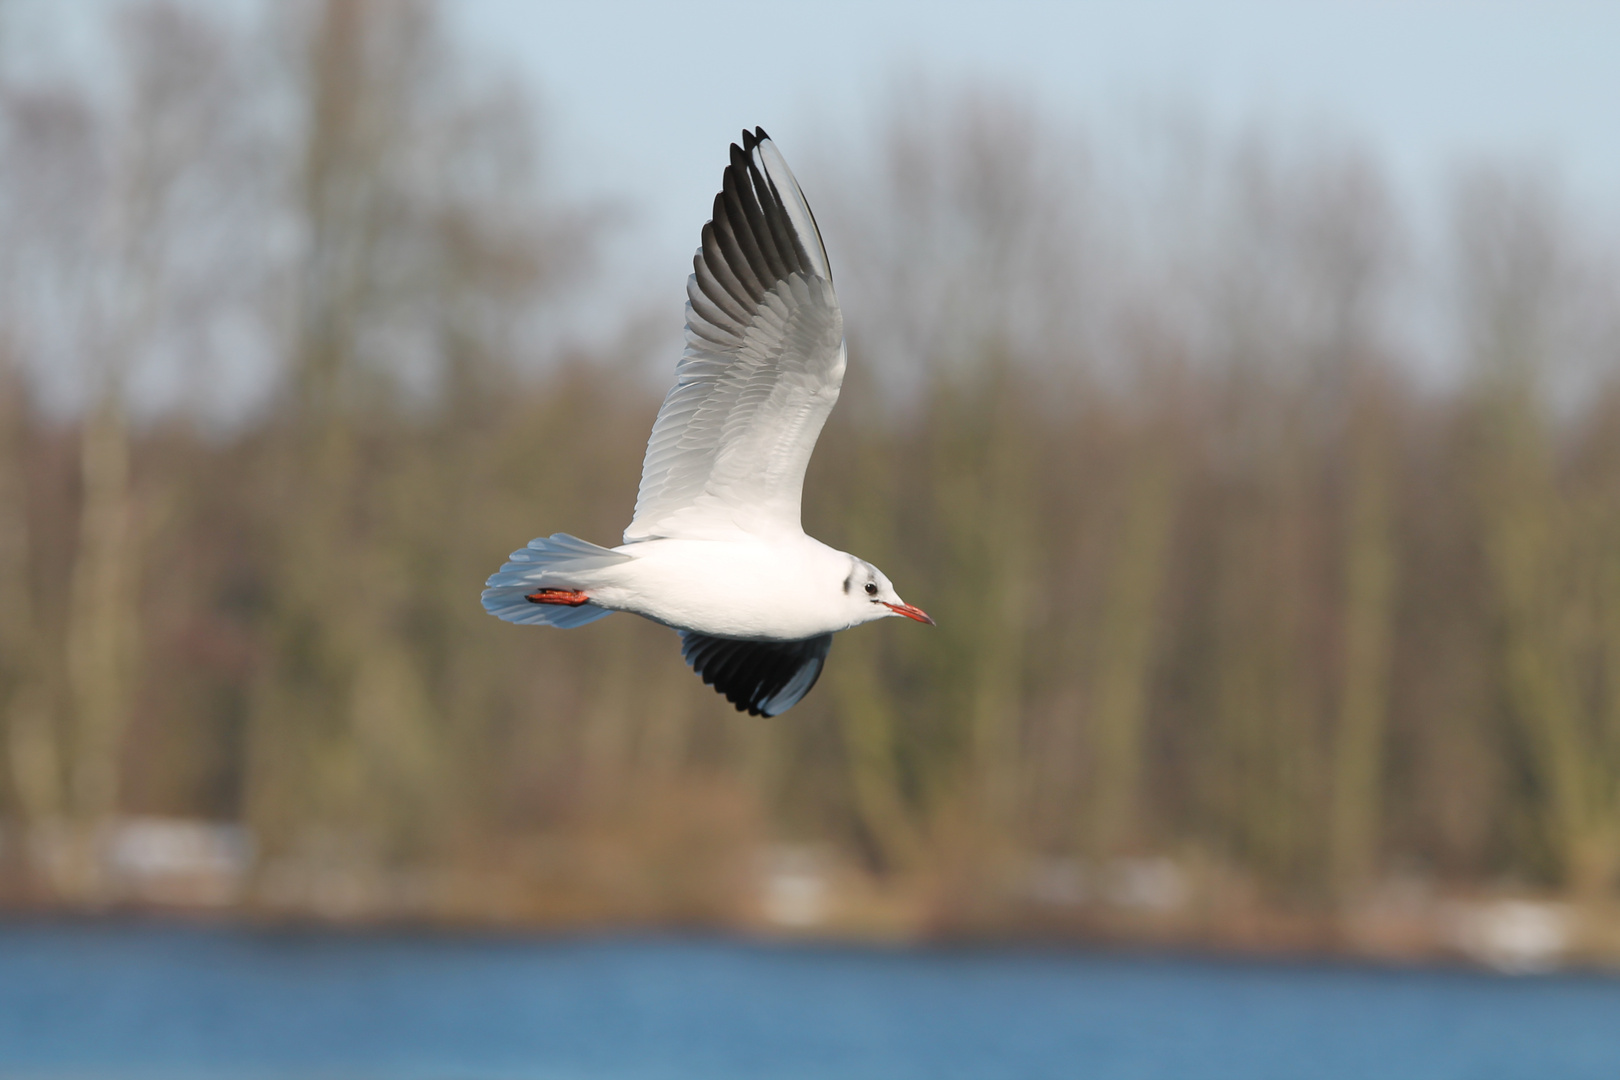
x=770, y=589
x=715, y=548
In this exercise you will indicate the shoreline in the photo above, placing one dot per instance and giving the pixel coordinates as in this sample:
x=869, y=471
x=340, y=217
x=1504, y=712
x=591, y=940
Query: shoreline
x=1272, y=936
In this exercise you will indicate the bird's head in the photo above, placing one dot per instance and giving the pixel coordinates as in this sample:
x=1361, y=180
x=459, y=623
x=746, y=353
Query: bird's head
x=870, y=596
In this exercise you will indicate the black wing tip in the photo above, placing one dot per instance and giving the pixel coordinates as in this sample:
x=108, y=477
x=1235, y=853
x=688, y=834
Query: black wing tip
x=751, y=242
x=752, y=674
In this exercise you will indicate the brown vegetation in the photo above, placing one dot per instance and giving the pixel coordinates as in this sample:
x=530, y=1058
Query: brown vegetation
x=1218, y=576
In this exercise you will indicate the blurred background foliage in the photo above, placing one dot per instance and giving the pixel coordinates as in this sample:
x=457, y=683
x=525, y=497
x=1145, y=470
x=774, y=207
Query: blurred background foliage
x=1271, y=527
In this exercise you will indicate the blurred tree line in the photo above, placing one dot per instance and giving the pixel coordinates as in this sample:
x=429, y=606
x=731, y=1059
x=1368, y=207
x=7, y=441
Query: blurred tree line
x=1256, y=536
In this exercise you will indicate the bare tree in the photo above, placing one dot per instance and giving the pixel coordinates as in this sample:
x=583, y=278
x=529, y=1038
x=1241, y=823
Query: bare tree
x=1549, y=539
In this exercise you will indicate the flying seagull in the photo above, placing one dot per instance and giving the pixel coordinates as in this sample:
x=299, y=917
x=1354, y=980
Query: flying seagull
x=716, y=550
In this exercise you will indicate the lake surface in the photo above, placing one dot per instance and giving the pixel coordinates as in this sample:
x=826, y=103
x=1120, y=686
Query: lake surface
x=123, y=1000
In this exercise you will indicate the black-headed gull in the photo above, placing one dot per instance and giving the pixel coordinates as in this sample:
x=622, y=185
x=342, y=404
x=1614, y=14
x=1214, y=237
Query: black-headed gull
x=716, y=550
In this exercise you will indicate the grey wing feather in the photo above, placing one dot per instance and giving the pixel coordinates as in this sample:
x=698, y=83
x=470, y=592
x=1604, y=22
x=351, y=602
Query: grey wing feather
x=763, y=364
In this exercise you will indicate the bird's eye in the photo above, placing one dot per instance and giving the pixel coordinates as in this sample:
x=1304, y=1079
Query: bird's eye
x=871, y=588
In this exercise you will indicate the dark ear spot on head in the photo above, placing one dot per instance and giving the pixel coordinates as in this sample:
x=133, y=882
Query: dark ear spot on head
x=847, y=583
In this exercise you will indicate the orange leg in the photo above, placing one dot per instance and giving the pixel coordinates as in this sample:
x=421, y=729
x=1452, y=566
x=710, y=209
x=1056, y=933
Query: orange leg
x=566, y=597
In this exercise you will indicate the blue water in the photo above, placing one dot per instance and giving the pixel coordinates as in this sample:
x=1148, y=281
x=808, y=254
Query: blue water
x=87, y=1001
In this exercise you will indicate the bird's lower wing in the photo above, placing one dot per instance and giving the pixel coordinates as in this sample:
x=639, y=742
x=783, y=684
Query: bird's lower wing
x=765, y=678
x=763, y=364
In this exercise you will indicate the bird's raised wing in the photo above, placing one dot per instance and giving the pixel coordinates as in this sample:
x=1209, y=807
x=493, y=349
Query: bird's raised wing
x=763, y=363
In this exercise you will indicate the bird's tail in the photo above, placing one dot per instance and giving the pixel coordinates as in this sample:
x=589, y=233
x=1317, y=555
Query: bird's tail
x=550, y=563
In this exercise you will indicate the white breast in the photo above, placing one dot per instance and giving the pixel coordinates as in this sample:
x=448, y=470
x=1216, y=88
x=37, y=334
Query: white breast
x=743, y=588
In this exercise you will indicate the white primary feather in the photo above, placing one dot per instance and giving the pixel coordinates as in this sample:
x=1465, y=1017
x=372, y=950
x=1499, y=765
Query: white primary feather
x=763, y=364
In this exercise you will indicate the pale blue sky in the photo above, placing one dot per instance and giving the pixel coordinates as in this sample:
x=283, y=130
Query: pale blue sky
x=645, y=96
x=642, y=97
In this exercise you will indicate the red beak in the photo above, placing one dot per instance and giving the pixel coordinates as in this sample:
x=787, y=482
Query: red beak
x=908, y=611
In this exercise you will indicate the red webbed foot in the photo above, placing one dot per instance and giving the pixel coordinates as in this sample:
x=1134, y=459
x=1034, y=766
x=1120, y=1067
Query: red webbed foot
x=566, y=597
